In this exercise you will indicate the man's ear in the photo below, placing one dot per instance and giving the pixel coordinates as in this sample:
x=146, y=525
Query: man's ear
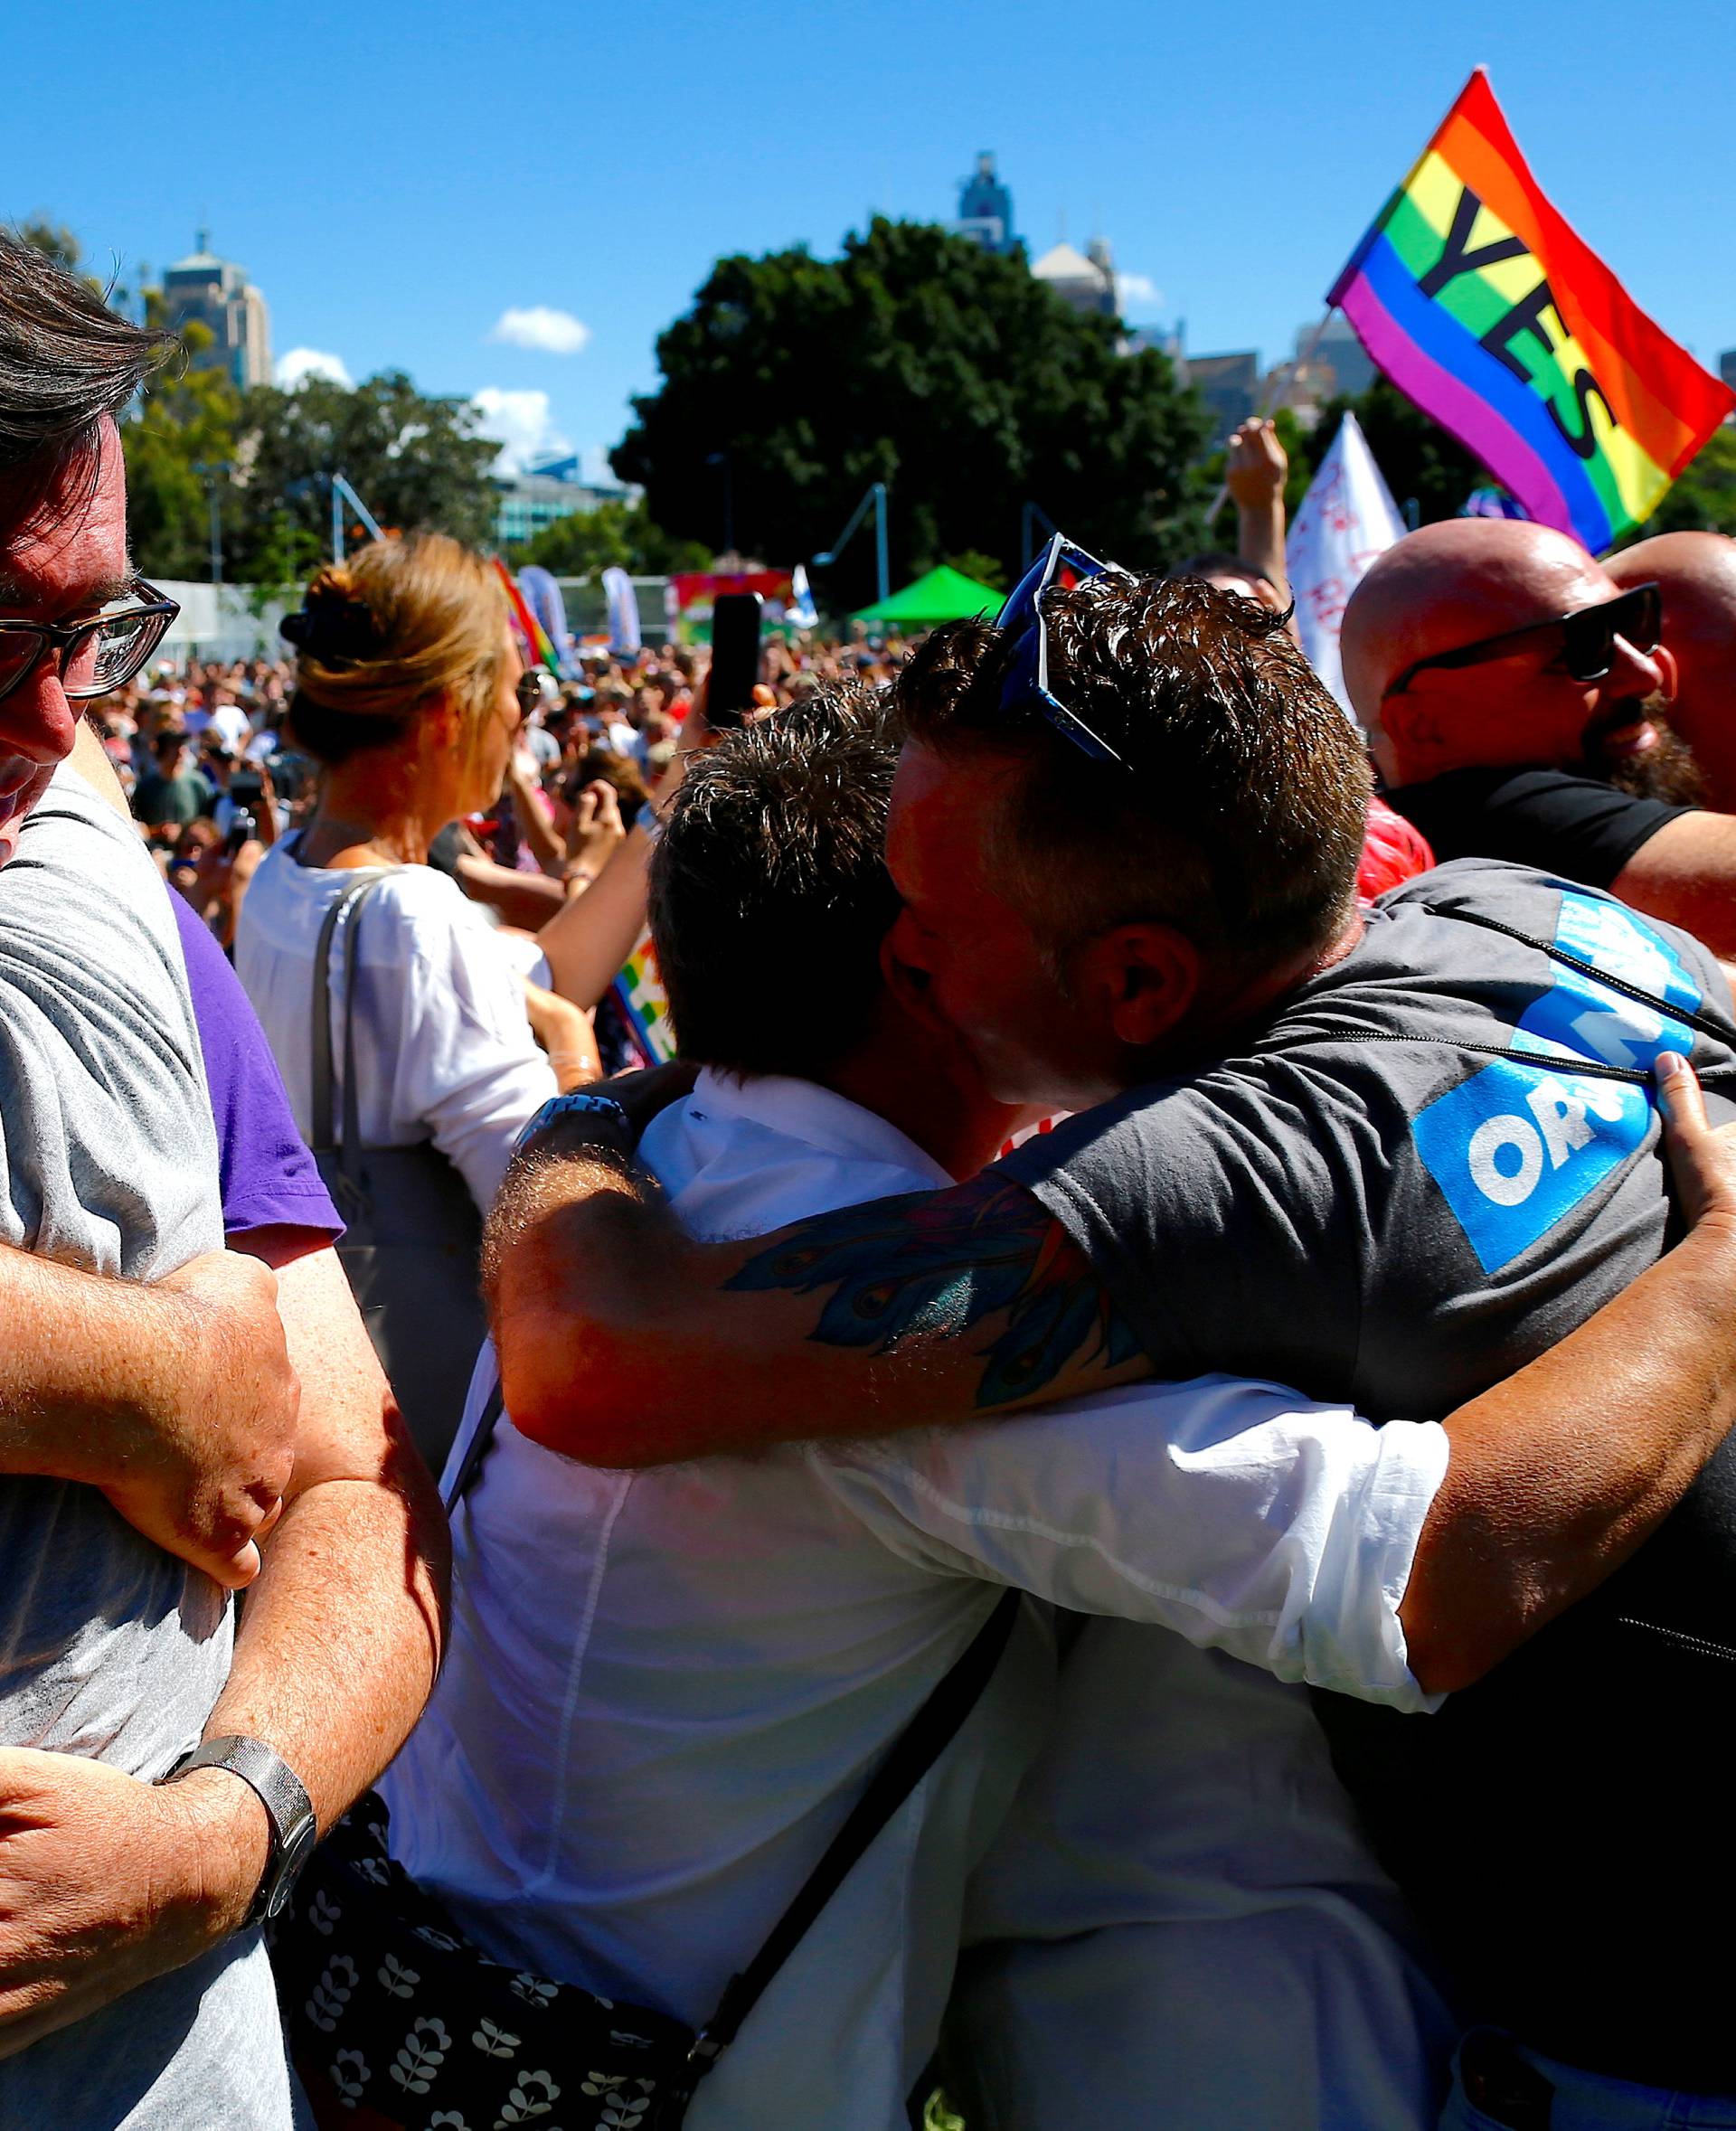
x=1143, y=979
x=906, y=975
x=1664, y=661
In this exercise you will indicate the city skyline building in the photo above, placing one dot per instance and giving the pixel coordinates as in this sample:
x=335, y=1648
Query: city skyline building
x=216, y=292
x=1335, y=349
x=1229, y=384
x=545, y=492
x=1083, y=280
x=985, y=207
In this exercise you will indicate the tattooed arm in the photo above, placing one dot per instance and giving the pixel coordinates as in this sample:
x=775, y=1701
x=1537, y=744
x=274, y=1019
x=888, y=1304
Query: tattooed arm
x=623, y=1343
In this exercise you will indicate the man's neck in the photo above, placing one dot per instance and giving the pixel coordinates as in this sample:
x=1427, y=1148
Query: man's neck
x=1234, y=1019
x=897, y=1073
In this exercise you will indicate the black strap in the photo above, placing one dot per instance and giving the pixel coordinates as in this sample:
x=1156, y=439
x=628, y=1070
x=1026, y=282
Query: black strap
x=1708, y=1025
x=1564, y=1062
x=348, y=904
x=918, y=1746
x=476, y=1451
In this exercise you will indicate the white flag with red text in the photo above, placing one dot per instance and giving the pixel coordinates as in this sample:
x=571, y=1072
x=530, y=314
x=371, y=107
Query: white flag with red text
x=1346, y=519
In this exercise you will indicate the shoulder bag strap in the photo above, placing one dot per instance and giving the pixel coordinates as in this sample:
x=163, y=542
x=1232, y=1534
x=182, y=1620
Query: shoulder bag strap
x=324, y=1140
x=347, y=906
x=471, y=1464
x=918, y=1746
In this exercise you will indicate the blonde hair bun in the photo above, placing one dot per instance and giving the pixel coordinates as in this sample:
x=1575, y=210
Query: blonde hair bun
x=384, y=634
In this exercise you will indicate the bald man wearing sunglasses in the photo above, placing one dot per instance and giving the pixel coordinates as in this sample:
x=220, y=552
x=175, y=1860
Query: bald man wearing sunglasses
x=1516, y=698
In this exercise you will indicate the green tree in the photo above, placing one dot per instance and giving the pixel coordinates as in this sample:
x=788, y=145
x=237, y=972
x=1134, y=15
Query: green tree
x=987, y=569
x=176, y=438
x=919, y=360
x=53, y=239
x=417, y=463
x=1704, y=498
x=616, y=534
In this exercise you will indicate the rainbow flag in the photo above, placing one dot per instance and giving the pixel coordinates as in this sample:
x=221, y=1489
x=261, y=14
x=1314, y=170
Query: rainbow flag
x=1481, y=304
x=639, y=991
x=537, y=643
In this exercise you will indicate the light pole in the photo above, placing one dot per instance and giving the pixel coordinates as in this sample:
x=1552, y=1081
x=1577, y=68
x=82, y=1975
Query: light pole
x=1030, y=516
x=210, y=469
x=876, y=496
x=342, y=494
x=721, y=459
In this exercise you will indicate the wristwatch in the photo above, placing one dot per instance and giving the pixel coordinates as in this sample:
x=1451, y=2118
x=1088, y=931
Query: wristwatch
x=287, y=1809
x=604, y=1121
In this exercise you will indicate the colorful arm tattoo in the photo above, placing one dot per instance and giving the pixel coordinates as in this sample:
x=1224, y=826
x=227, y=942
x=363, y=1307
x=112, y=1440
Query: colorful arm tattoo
x=935, y=1264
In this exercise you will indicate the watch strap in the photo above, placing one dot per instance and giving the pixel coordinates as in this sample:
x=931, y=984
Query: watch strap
x=288, y=1810
x=600, y=1113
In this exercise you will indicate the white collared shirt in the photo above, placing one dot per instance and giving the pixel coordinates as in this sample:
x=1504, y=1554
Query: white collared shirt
x=664, y=1690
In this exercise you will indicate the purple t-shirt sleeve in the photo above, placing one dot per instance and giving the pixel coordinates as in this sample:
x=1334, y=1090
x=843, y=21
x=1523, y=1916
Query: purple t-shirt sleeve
x=270, y=1178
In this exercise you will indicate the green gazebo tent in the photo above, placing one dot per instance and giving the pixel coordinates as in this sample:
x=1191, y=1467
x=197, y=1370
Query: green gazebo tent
x=939, y=595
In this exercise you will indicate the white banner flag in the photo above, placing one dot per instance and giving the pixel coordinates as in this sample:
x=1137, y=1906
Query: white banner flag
x=1348, y=518
x=623, y=610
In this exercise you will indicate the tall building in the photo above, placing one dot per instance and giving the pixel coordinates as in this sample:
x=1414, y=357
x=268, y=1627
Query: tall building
x=1229, y=384
x=1083, y=280
x=1337, y=349
x=218, y=293
x=544, y=493
x=985, y=207
x=1727, y=367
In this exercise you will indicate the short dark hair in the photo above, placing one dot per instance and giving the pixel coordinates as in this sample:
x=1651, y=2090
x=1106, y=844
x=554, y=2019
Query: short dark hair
x=66, y=359
x=1243, y=821
x=769, y=894
x=1220, y=562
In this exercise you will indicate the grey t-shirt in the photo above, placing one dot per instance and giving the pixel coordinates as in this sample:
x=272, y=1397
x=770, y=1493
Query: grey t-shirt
x=111, y=1648
x=1408, y=1186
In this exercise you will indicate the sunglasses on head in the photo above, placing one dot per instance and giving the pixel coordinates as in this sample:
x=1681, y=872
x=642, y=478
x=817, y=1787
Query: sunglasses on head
x=1587, y=638
x=1026, y=678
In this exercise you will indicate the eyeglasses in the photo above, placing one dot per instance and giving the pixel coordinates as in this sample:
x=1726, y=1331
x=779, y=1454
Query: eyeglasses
x=1587, y=638
x=528, y=688
x=1026, y=679
x=95, y=655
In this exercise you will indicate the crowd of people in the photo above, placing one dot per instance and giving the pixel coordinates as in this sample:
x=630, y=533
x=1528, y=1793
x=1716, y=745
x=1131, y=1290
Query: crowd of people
x=1110, y=1494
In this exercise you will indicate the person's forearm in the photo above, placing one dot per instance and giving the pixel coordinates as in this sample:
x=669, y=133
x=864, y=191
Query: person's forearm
x=537, y=830
x=1259, y=539
x=624, y=1343
x=340, y=1638
x=85, y=1362
x=1685, y=873
x=1559, y=1474
x=526, y=899
x=588, y=940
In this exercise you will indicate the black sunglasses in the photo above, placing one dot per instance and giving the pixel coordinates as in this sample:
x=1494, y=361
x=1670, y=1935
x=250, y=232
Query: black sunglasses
x=96, y=656
x=528, y=688
x=1588, y=638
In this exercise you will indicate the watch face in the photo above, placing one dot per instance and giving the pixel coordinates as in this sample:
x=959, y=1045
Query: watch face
x=296, y=1845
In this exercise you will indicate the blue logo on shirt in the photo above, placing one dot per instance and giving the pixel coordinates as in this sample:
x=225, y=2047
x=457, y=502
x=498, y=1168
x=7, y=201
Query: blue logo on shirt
x=1518, y=1148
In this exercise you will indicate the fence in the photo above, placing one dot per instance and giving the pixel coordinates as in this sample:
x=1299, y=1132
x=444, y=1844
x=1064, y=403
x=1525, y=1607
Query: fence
x=218, y=621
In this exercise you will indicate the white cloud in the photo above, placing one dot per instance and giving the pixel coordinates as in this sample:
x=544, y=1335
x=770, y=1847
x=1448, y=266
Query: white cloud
x=519, y=423
x=305, y=362
x=555, y=333
x=1137, y=292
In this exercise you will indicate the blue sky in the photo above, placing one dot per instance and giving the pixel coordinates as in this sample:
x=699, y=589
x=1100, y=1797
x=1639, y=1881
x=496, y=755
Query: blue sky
x=398, y=177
